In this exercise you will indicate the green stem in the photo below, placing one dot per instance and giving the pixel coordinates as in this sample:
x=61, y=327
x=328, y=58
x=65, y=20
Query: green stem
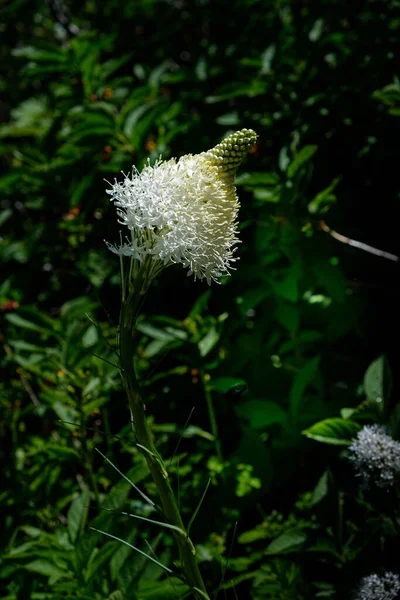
x=143, y=436
x=211, y=415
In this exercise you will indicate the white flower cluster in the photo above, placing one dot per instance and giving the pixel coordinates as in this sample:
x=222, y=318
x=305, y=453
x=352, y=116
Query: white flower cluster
x=375, y=587
x=185, y=211
x=376, y=456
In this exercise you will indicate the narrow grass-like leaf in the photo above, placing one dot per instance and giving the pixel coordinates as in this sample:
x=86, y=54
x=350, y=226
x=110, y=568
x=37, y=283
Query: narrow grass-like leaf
x=166, y=569
x=180, y=437
x=198, y=506
x=107, y=361
x=117, y=437
x=224, y=568
x=114, y=350
x=167, y=525
x=126, y=478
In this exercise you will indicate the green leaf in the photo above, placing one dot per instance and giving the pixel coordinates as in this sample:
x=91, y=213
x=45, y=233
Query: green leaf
x=336, y=431
x=102, y=556
x=90, y=337
x=301, y=382
x=331, y=278
x=235, y=90
x=200, y=305
x=321, y=489
x=324, y=198
x=262, y=413
x=288, y=286
x=62, y=453
x=303, y=156
x=286, y=543
x=288, y=316
x=224, y=384
x=5, y=215
x=44, y=567
x=155, y=332
x=257, y=179
x=377, y=380
x=79, y=189
x=209, y=341
x=168, y=589
x=77, y=308
x=63, y=411
x=77, y=515
x=134, y=117
x=251, y=298
x=20, y=321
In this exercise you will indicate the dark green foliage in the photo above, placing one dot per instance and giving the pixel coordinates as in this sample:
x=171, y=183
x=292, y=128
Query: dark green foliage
x=294, y=349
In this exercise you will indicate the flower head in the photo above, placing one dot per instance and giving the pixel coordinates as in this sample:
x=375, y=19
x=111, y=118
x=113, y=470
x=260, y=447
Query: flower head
x=185, y=211
x=375, y=587
x=376, y=456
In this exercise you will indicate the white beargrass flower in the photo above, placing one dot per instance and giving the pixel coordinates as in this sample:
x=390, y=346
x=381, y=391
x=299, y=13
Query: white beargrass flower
x=375, y=587
x=184, y=211
x=376, y=456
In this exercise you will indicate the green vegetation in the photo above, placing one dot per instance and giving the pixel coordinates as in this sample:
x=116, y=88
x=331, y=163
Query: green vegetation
x=287, y=360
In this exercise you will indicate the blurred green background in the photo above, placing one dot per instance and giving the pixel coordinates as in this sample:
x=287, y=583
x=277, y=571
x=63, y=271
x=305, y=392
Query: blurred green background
x=89, y=89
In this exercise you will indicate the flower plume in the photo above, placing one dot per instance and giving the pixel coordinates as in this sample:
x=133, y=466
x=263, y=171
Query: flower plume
x=184, y=211
x=376, y=456
x=375, y=587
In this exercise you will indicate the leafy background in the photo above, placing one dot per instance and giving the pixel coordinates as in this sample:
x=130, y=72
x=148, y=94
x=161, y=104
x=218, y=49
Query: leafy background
x=281, y=348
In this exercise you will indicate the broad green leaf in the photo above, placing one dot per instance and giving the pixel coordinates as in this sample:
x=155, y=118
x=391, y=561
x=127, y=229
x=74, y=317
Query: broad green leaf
x=51, y=53
x=224, y=384
x=288, y=286
x=377, y=380
x=331, y=278
x=155, y=332
x=168, y=589
x=230, y=119
x=77, y=308
x=5, y=215
x=260, y=532
x=252, y=298
x=286, y=543
x=321, y=489
x=157, y=346
x=288, y=316
x=336, y=431
x=257, y=179
x=134, y=116
x=45, y=567
x=389, y=95
x=99, y=558
x=77, y=515
x=209, y=341
x=316, y=30
x=62, y=452
x=262, y=413
x=64, y=411
x=19, y=321
x=301, y=158
x=90, y=337
x=235, y=90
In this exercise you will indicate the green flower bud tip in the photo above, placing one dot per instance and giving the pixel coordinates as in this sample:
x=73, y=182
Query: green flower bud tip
x=230, y=152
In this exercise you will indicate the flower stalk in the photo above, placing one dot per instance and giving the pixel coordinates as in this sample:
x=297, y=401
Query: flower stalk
x=142, y=433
